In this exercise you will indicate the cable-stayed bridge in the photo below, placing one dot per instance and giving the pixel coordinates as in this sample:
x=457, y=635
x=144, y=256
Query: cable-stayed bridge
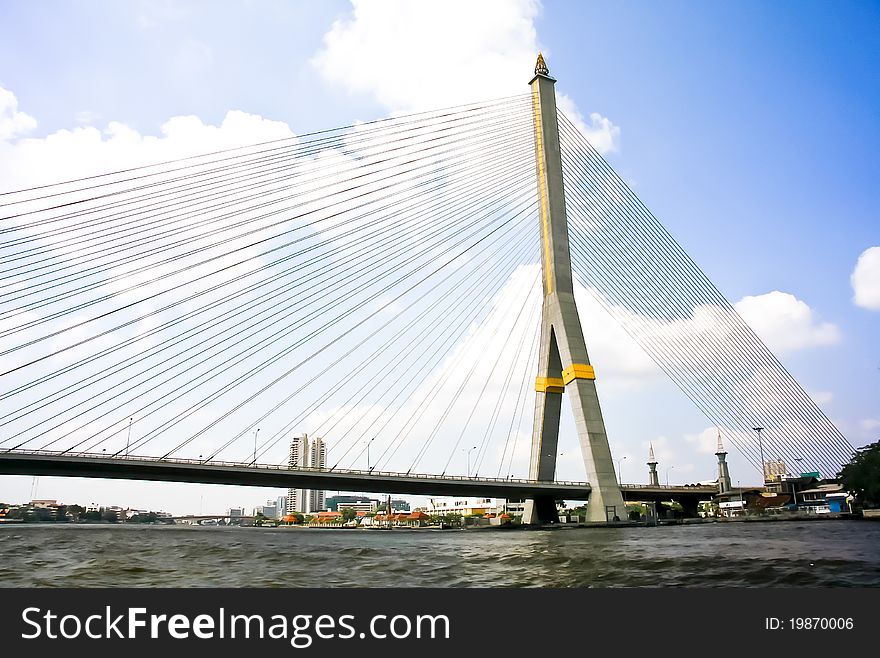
x=403, y=288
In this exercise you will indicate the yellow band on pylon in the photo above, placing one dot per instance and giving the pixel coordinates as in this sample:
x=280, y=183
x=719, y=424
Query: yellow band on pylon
x=542, y=187
x=549, y=385
x=578, y=371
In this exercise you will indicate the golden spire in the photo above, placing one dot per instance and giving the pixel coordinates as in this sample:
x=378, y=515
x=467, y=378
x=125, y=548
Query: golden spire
x=540, y=66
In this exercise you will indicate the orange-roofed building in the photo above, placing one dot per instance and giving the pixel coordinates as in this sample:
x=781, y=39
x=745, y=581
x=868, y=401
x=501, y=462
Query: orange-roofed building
x=417, y=518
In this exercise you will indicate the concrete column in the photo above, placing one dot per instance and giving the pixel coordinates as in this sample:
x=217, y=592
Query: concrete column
x=564, y=364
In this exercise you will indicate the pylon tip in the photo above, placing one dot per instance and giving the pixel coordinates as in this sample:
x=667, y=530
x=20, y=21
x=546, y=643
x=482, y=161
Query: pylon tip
x=541, y=66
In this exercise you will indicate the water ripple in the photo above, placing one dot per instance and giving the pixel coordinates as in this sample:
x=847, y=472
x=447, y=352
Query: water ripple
x=813, y=554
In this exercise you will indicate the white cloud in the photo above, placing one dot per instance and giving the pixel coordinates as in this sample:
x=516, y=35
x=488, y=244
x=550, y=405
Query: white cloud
x=87, y=117
x=602, y=134
x=786, y=323
x=621, y=364
x=412, y=56
x=821, y=397
x=87, y=150
x=706, y=441
x=12, y=122
x=865, y=279
x=869, y=424
x=668, y=468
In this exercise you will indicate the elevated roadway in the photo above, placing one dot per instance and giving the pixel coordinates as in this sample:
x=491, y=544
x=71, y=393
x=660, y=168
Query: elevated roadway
x=271, y=475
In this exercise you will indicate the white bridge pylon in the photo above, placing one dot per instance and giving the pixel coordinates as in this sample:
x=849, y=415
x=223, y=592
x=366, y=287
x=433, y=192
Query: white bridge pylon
x=563, y=365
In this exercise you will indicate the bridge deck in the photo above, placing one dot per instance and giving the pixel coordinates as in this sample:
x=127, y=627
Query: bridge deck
x=271, y=475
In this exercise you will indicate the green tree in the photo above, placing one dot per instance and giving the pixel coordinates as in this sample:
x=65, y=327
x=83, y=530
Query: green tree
x=150, y=517
x=348, y=514
x=861, y=476
x=452, y=519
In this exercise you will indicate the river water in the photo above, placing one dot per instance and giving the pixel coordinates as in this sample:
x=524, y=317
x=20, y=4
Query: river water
x=747, y=554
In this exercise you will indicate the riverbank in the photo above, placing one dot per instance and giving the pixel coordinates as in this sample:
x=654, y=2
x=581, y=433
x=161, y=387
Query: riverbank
x=765, y=518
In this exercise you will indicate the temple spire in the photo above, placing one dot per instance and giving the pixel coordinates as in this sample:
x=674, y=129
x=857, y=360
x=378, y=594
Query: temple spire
x=720, y=449
x=653, y=478
x=723, y=471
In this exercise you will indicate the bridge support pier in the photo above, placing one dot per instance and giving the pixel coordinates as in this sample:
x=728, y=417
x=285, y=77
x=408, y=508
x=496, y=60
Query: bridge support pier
x=690, y=508
x=542, y=510
x=564, y=364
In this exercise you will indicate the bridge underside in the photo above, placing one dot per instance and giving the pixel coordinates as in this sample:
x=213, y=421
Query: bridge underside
x=545, y=494
x=269, y=476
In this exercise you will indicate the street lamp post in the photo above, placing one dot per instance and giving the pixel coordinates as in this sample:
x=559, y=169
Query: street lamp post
x=469, y=460
x=369, y=468
x=255, y=446
x=128, y=440
x=667, y=474
x=794, y=485
x=618, y=468
x=761, y=453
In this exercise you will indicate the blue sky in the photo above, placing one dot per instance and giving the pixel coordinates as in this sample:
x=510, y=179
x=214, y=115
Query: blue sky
x=749, y=129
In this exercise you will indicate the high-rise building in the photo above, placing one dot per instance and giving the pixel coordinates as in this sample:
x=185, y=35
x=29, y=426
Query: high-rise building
x=333, y=502
x=299, y=457
x=268, y=510
x=305, y=454
x=281, y=506
x=774, y=470
x=318, y=460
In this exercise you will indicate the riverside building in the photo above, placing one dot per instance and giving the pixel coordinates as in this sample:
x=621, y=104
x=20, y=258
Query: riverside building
x=306, y=454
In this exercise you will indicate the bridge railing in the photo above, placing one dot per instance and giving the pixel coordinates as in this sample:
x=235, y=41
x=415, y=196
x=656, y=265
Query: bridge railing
x=668, y=486
x=664, y=486
x=278, y=467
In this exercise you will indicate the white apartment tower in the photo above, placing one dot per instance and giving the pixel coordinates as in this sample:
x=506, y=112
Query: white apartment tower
x=317, y=459
x=304, y=454
x=299, y=454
